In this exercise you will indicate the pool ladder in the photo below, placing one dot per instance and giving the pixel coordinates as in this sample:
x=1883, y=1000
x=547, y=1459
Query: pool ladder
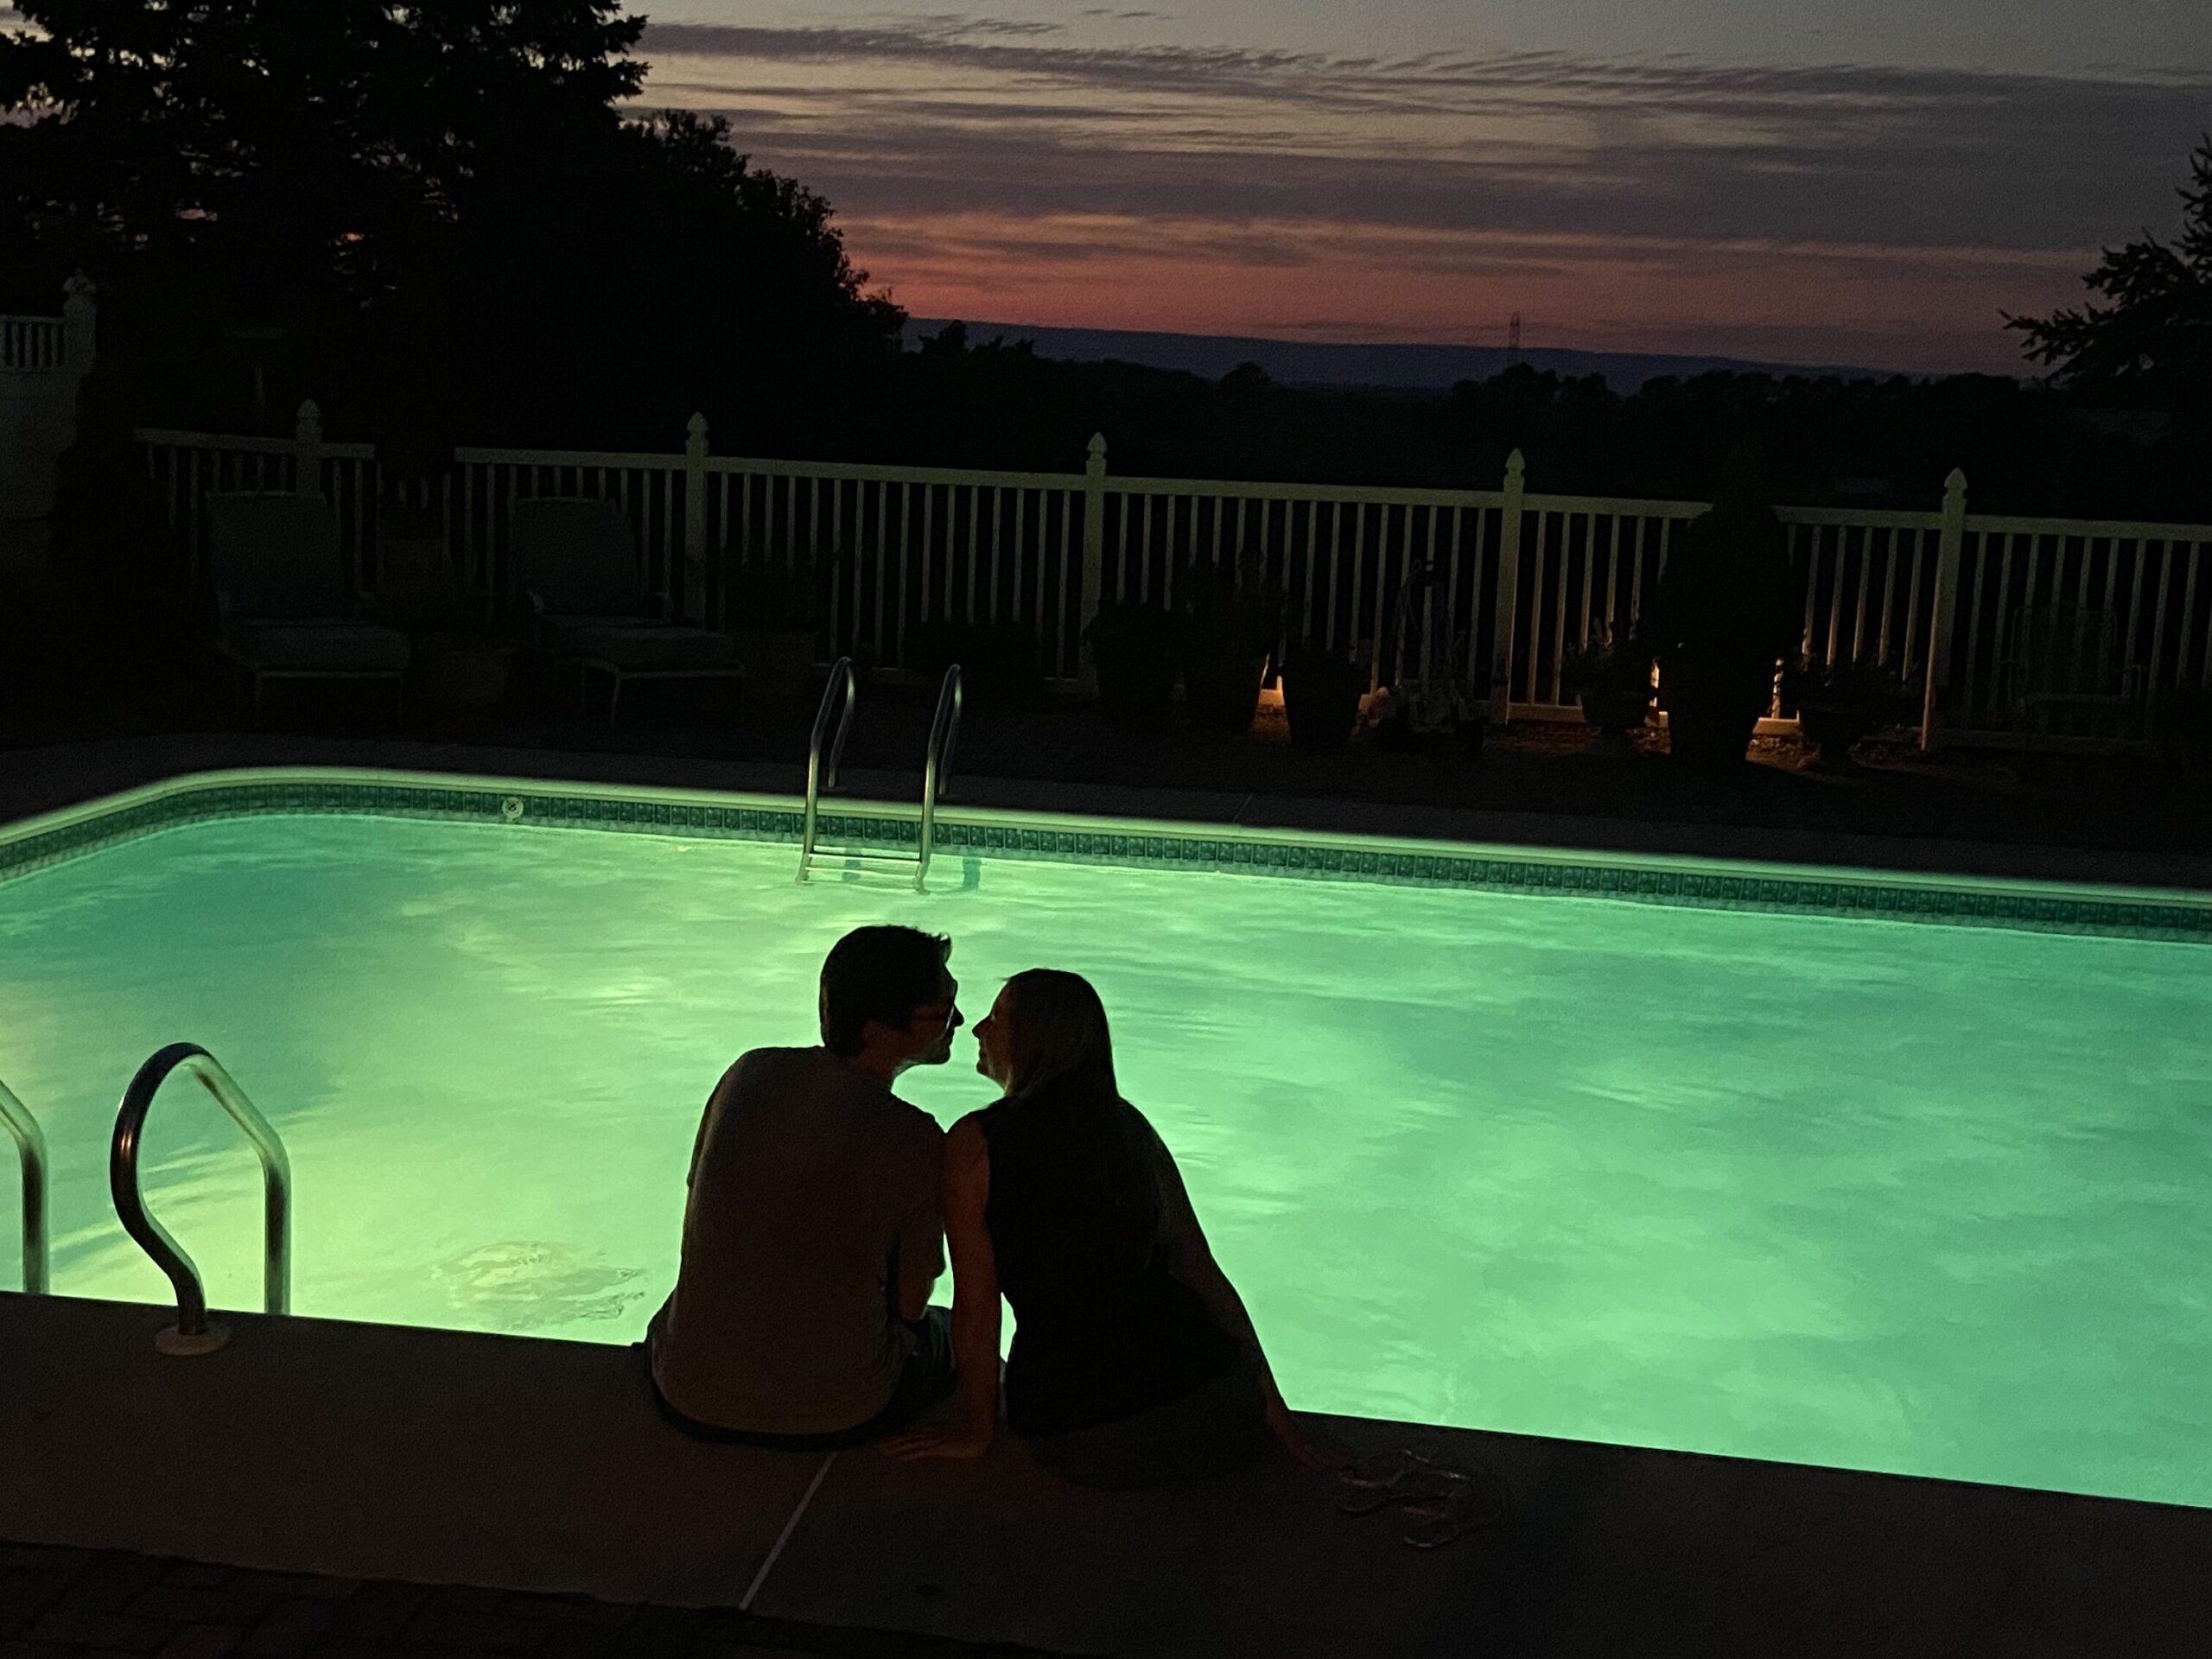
x=193, y=1333
x=937, y=771
x=30, y=1153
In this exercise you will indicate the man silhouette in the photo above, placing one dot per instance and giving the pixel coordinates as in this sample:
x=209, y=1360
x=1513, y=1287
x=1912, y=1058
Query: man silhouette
x=801, y=1316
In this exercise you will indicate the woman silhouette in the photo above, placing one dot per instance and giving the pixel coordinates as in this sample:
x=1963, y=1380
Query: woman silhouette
x=1134, y=1363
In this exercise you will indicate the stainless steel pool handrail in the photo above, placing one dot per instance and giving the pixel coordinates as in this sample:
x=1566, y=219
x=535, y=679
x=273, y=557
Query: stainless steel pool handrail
x=192, y=1333
x=30, y=1151
x=937, y=768
x=841, y=677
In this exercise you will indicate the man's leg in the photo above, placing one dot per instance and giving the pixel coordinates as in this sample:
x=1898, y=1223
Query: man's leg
x=928, y=1378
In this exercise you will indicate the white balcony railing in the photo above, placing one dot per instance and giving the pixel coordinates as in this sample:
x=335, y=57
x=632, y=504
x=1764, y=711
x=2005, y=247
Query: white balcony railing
x=1523, y=576
x=33, y=343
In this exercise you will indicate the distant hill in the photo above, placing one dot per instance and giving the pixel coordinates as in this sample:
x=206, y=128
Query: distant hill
x=1396, y=368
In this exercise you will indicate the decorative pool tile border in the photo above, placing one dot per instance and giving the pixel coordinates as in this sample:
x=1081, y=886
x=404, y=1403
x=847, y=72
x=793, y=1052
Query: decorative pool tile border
x=1994, y=904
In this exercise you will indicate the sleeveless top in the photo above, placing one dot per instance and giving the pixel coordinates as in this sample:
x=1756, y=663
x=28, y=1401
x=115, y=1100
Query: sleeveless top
x=1102, y=1329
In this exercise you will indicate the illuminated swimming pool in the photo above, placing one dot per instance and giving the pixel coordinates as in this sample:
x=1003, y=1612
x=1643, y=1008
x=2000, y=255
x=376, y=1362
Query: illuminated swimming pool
x=1833, y=1187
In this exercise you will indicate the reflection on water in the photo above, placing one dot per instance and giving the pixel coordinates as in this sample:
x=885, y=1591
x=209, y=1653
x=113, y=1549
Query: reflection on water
x=517, y=1285
x=1846, y=1191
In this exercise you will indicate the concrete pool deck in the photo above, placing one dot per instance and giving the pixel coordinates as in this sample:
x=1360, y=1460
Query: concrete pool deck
x=312, y=1447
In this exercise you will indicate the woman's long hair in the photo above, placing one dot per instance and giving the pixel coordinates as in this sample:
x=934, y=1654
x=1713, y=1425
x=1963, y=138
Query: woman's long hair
x=1060, y=1058
x=1058, y=1032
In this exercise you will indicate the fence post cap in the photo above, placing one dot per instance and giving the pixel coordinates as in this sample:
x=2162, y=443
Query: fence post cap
x=696, y=426
x=1955, y=484
x=1098, y=446
x=309, y=415
x=1516, y=465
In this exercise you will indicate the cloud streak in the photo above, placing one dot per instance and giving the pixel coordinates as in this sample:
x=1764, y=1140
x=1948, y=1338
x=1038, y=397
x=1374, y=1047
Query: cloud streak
x=1875, y=185
x=1907, y=156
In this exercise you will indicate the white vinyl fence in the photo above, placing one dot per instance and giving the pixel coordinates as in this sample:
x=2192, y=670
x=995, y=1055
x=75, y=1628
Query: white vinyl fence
x=1518, y=577
x=42, y=361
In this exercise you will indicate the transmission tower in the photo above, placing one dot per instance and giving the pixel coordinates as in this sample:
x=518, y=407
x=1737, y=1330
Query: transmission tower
x=1512, y=341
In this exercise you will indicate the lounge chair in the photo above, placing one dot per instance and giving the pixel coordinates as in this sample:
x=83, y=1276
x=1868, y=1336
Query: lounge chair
x=285, y=608
x=574, y=562
x=2063, y=676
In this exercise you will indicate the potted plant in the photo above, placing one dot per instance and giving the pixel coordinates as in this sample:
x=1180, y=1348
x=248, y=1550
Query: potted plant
x=1721, y=618
x=1133, y=649
x=1838, y=703
x=1427, y=704
x=776, y=613
x=1611, y=676
x=1228, y=621
x=1321, y=691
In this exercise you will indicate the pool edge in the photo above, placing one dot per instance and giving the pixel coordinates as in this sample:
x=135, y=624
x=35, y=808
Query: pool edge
x=1686, y=879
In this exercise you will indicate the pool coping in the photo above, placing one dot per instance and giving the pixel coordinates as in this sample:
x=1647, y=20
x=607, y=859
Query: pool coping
x=538, y=1466
x=966, y=832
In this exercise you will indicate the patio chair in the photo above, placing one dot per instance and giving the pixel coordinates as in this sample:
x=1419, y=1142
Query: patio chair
x=2062, y=675
x=573, y=561
x=285, y=608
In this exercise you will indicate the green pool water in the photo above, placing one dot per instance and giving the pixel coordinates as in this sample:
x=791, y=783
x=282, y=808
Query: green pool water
x=1882, y=1195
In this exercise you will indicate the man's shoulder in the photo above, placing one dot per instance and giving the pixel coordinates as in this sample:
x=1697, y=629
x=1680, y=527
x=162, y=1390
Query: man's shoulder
x=770, y=1059
x=918, y=1123
x=816, y=1074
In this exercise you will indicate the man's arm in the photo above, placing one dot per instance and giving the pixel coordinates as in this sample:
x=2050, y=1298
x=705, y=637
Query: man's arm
x=974, y=1306
x=918, y=1251
x=707, y=1121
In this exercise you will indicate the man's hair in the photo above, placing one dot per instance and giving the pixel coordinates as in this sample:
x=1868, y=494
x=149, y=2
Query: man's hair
x=879, y=973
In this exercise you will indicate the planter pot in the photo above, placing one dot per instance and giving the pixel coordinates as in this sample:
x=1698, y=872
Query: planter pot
x=1320, y=698
x=1222, y=693
x=1711, y=714
x=1132, y=649
x=1833, y=727
x=1615, y=713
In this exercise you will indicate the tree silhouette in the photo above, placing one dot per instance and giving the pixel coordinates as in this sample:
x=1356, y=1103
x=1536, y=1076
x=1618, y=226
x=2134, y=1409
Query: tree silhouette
x=2156, y=336
x=443, y=193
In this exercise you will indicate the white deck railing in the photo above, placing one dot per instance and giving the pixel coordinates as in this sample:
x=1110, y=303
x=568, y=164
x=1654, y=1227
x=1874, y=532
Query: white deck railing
x=33, y=343
x=1936, y=595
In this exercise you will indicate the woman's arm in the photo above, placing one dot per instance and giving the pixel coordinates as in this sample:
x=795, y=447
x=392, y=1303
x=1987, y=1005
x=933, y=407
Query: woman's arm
x=974, y=1304
x=1190, y=1259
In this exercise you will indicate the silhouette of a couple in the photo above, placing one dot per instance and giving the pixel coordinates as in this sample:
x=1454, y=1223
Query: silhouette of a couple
x=821, y=1203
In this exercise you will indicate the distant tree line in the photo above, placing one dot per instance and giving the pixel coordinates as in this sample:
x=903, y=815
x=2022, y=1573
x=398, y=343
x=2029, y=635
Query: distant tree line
x=431, y=212
x=434, y=218
x=2023, y=446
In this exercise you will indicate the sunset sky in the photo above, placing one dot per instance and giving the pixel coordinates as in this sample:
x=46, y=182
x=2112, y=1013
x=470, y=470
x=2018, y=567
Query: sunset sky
x=1764, y=178
x=1795, y=181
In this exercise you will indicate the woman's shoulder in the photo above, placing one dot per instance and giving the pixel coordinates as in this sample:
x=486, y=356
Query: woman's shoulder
x=973, y=1131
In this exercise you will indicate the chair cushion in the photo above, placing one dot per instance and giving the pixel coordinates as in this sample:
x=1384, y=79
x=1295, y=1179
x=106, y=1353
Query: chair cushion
x=578, y=555
x=332, y=644
x=637, y=644
x=277, y=556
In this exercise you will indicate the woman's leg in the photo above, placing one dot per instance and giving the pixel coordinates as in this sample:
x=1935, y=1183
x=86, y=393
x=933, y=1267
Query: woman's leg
x=1217, y=1429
